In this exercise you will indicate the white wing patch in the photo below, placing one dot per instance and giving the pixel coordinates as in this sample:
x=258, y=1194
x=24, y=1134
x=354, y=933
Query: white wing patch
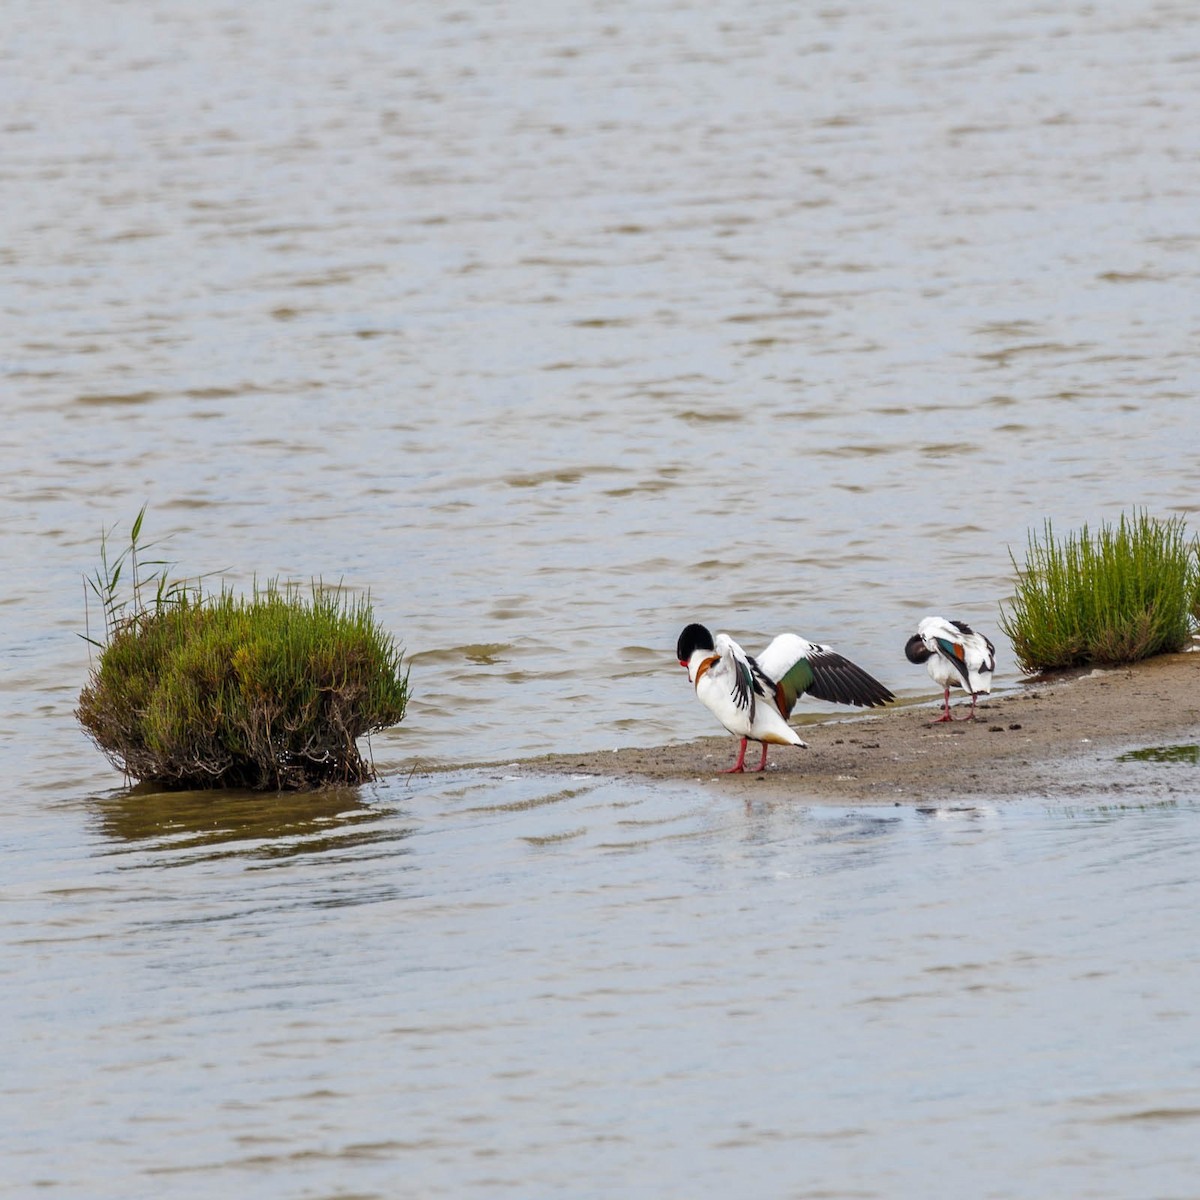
x=784, y=653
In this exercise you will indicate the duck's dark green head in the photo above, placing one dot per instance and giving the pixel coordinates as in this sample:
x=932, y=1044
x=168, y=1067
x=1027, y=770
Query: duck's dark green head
x=693, y=638
x=915, y=649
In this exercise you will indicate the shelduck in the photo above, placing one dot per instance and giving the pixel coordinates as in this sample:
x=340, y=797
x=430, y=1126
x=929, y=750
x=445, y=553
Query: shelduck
x=955, y=656
x=753, y=697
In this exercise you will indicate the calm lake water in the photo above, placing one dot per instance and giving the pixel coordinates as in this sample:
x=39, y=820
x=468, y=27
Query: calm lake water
x=555, y=327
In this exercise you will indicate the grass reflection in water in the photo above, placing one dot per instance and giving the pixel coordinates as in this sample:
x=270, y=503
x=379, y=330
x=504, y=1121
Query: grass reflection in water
x=1189, y=753
x=242, y=822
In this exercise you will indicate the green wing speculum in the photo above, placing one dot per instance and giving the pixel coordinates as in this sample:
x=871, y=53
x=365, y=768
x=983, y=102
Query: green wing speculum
x=956, y=654
x=798, y=679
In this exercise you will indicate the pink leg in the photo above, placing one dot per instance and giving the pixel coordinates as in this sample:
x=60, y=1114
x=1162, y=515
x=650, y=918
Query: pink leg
x=971, y=715
x=946, y=711
x=740, y=765
x=762, y=765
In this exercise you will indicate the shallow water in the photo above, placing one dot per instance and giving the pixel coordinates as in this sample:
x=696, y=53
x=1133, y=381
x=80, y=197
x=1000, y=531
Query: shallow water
x=557, y=327
x=478, y=984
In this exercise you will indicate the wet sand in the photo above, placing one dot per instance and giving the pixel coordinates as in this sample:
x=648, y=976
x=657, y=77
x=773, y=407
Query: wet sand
x=1057, y=737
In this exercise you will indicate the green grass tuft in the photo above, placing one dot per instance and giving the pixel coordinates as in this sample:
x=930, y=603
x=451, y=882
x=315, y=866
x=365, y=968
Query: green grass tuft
x=267, y=692
x=1130, y=591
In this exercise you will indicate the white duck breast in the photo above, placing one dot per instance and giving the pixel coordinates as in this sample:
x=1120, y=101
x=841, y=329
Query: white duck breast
x=737, y=695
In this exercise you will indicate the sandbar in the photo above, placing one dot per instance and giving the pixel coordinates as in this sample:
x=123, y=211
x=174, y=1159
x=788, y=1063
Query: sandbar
x=1060, y=737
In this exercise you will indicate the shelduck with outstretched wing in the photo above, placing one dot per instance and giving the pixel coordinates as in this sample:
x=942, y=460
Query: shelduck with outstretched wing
x=955, y=656
x=753, y=697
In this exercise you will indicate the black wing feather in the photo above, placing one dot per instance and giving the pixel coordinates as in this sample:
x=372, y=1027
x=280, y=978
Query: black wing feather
x=838, y=680
x=744, y=686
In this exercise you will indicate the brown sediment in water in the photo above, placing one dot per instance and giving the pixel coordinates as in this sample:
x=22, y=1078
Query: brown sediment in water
x=1056, y=737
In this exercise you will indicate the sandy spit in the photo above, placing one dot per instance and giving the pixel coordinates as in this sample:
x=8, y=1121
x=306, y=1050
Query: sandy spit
x=1056, y=737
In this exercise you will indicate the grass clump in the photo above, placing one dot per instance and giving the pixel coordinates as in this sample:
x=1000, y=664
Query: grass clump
x=1130, y=591
x=268, y=692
